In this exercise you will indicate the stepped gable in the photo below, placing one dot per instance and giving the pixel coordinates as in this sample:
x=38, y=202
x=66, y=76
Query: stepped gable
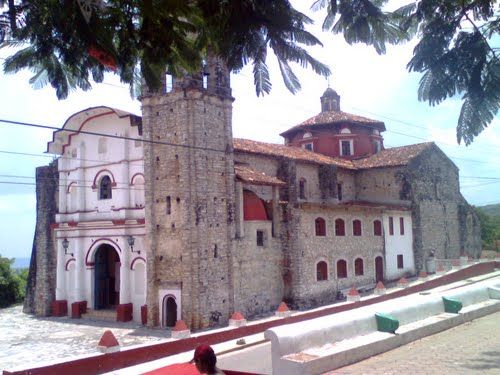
x=295, y=153
x=392, y=157
x=335, y=117
x=254, y=177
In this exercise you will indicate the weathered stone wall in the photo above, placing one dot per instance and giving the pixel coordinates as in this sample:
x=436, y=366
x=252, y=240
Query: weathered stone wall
x=190, y=202
x=257, y=270
x=381, y=185
x=347, y=179
x=331, y=248
x=439, y=212
x=40, y=288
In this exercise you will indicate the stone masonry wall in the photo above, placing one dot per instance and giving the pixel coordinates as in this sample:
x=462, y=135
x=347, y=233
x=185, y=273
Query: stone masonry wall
x=257, y=271
x=331, y=248
x=40, y=288
x=190, y=203
x=381, y=185
x=439, y=212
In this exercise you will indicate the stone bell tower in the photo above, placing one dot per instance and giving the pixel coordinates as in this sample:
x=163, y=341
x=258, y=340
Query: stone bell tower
x=189, y=174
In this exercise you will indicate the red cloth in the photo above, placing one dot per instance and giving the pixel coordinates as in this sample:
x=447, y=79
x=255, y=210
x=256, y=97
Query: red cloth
x=175, y=369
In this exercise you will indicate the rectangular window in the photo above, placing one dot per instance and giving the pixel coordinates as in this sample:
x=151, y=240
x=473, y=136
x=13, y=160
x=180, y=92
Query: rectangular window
x=169, y=205
x=308, y=146
x=302, y=189
x=346, y=148
x=169, y=83
x=400, y=261
x=391, y=226
x=401, y=226
x=260, y=238
x=339, y=191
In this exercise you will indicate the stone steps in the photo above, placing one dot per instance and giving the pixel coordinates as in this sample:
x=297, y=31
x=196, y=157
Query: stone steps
x=108, y=315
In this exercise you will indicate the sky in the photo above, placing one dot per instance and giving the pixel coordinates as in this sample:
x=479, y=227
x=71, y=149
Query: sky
x=370, y=85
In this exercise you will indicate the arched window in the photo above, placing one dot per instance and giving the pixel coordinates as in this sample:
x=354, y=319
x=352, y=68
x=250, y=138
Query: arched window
x=321, y=271
x=358, y=267
x=320, y=226
x=105, y=188
x=339, y=227
x=377, y=228
x=302, y=188
x=356, y=227
x=341, y=269
x=307, y=135
x=345, y=131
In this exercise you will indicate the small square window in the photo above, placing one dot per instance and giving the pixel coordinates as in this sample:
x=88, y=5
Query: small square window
x=260, y=238
x=308, y=146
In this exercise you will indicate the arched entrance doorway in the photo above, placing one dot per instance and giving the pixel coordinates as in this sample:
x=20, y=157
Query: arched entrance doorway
x=106, y=277
x=379, y=269
x=169, y=311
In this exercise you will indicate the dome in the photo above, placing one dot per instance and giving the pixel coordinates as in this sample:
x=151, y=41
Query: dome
x=330, y=92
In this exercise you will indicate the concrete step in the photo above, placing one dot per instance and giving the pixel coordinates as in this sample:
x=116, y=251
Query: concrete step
x=108, y=315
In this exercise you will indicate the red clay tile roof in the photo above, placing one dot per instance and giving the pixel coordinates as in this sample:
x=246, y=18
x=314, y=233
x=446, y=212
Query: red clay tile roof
x=392, y=157
x=289, y=152
x=253, y=177
x=335, y=117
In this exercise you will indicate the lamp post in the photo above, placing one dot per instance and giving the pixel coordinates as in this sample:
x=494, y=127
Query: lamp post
x=65, y=244
x=131, y=241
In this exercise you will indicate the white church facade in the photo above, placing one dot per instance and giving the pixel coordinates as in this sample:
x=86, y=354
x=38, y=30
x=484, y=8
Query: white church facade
x=99, y=230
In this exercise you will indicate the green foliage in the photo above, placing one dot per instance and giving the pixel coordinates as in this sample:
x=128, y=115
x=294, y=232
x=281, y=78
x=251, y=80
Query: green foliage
x=362, y=21
x=69, y=47
x=455, y=55
x=490, y=229
x=491, y=209
x=12, y=283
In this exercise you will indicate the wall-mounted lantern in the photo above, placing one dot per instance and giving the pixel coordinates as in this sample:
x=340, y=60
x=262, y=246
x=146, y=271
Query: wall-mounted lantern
x=65, y=244
x=131, y=241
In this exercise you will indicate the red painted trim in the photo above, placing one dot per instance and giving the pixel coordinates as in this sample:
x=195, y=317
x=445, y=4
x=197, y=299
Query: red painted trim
x=54, y=225
x=69, y=186
x=135, y=260
x=81, y=126
x=134, y=176
x=112, y=110
x=89, y=211
x=77, y=212
x=72, y=223
x=68, y=262
x=93, y=246
x=100, y=165
x=141, y=221
x=118, y=222
x=127, y=208
x=113, y=181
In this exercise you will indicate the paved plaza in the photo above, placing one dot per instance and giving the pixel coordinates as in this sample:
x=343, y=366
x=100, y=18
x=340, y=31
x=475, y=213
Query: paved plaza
x=26, y=340
x=471, y=348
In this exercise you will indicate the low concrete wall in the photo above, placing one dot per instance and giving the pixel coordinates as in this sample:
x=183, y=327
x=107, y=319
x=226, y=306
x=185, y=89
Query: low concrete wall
x=101, y=363
x=419, y=316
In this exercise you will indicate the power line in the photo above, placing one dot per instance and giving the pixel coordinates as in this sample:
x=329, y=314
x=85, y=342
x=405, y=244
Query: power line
x=45, y=155
x=66, y=186
x=478, y=185
x=164, y=143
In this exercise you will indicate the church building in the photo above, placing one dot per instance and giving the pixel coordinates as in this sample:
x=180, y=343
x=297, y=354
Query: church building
x=166, y=216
